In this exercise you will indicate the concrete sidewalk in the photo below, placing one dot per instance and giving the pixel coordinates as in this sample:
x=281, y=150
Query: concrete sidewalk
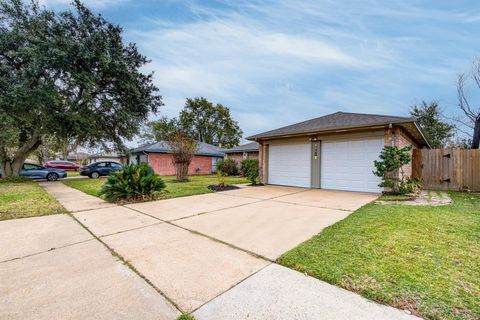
x=72, y=199
x=52, y=268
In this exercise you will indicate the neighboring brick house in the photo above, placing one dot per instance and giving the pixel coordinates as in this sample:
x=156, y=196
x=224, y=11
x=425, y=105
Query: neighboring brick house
x=245, y=151
x=336, y=151
x=159, y=156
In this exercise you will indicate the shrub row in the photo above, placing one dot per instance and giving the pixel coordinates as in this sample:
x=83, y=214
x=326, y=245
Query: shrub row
x=248, y=168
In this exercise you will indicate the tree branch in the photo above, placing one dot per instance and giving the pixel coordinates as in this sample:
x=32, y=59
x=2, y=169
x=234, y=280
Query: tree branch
x=462, y=99
x=34, y=141
x=466, y=124
x=476, y=72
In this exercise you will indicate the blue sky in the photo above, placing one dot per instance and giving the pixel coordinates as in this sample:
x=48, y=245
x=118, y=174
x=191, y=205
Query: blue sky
x=279, y=62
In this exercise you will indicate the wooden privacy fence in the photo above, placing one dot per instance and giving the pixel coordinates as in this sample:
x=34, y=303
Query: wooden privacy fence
x=447, y=169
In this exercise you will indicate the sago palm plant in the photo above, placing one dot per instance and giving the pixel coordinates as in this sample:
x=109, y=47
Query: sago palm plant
x=135, y=182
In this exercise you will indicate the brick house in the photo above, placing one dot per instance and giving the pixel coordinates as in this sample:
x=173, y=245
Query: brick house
x=159, y=156
x=335, y=151
x=245, y=151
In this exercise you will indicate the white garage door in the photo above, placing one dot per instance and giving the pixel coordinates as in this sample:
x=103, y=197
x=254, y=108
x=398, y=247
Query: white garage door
x=289, y=165
x=348, y=164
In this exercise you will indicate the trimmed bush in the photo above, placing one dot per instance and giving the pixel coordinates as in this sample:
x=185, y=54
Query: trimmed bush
x=250, y=170
x=390, y=169
x=228, y=167
x=136, y=182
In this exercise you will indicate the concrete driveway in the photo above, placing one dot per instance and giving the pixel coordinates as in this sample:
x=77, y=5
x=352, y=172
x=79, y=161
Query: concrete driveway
x=210, y=254
x=195, y=248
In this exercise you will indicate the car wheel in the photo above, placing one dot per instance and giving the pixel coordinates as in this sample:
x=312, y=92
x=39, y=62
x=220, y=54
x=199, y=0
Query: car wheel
x=52, y=177
x=95, y=175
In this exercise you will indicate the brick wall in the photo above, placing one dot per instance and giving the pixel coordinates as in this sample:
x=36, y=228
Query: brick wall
x=263, y=162
x=397, y=137
x=162, y=164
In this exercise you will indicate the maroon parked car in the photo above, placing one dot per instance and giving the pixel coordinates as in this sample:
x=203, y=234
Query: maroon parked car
x=62, y=165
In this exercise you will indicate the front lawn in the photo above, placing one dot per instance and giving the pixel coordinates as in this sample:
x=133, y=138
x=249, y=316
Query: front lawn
x=73, y=173
x=421, y=258
x=26, y=199
x=196, y=185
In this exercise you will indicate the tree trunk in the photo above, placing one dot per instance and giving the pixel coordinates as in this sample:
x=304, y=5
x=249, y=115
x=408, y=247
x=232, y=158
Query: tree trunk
x=181, y=171
x=476, y=134
x=11, y=167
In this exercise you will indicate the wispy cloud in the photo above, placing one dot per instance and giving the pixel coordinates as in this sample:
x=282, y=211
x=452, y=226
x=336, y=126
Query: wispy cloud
x=276, y=62
x=95, y=4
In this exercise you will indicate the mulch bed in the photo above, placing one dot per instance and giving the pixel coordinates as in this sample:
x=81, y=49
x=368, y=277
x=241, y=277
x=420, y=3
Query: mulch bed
x=224, y=188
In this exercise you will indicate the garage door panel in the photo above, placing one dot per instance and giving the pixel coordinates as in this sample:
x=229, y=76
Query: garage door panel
x=289, y=164
x=348, y=165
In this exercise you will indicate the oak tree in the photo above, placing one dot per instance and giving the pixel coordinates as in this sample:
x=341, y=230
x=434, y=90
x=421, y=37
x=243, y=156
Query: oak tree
x=201, y=120
x=67, y=75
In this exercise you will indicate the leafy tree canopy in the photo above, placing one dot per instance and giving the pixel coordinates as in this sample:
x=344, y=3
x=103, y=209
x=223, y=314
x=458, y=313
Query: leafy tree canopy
x=158, y=130
x=67, y=75
x=429, y=117
x=201, y=120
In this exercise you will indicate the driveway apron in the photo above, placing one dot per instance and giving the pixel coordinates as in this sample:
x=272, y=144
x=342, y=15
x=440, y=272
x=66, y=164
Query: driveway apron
x=279, y=293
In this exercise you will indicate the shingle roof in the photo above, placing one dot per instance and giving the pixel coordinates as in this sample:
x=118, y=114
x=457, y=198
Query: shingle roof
x=141, y=148
x=203, y=149
x=334, y=121
x=249, y=147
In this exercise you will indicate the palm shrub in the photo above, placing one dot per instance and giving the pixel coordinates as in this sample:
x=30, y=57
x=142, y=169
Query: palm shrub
x=228, y=167
x=250, y=170
x=135, y=182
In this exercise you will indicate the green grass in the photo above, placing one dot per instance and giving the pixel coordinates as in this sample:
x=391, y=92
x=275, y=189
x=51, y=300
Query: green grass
x=73, y=173
x=421, y=258
x=195, y=185
x=185, y=317
x=26, y=199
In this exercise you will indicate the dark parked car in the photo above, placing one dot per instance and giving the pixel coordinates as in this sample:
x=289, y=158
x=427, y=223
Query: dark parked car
x=62, y=165
x=101, y=168
x=35, y=171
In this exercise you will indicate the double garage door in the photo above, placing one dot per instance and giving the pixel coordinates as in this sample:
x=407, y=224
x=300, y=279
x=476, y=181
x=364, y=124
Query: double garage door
x=344, y=164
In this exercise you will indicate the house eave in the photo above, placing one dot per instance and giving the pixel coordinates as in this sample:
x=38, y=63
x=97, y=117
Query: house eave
x=380, y=126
